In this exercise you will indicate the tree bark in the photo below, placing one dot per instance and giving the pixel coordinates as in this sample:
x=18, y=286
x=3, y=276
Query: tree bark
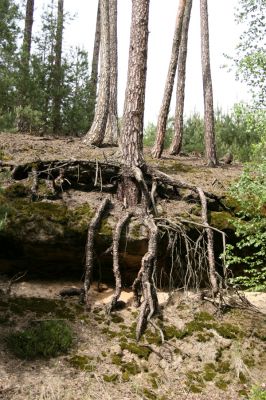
x=26, y=47
x=22, y=123
x=133, y=116
x=132, y=124
x=181, y=81
x=164, y=111
x=95, y=60
x=210, y=148
x=57, y=73
x=111, y=132
x=96, y=133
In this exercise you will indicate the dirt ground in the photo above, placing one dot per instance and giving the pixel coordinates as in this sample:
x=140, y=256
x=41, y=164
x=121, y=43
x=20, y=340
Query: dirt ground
x=204, y=354
x=18, y=149
x=176, y=369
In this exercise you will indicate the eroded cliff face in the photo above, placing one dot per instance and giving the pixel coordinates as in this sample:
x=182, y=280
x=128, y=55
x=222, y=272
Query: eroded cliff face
x=47, y=237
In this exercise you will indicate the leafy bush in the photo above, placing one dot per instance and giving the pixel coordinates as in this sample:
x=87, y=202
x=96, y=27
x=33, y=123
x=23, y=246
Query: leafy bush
x=44, y=339
x=257, y=393
x=241, y=132
x=250, y=250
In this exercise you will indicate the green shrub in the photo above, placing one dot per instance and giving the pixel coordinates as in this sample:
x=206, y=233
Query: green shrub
x=250, y=228
x=257, y=393
x=43, y=339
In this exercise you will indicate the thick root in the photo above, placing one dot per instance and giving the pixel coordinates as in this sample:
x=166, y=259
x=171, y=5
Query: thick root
x=210, y=243
x=150, y=303
x=95, y=222
x=116, y=239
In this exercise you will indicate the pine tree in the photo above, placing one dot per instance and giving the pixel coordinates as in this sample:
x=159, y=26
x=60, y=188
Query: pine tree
x=164, y=110
x=210, y=148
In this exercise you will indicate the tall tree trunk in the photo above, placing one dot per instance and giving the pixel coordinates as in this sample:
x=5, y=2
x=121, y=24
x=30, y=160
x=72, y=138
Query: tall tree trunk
x=57, y=73
x=96, y=133
x=26, y=47
x=111, y=132
x=181, y=81
x=210, y=148
x=131, y=140
x=24, y=94
x=164, y=111
x=95, y=61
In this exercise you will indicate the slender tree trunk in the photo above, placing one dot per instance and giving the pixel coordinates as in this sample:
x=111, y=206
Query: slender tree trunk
x=131, y=140
x=57, y=81
x=26, y=47
x=210, y=148
x=181, y=81
x=111, y=133
x=164, y=111
x=96, y=133
x=95, y=61
x=24, y=95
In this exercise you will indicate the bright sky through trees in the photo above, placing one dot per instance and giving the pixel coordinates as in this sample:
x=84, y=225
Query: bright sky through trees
x=224, y=35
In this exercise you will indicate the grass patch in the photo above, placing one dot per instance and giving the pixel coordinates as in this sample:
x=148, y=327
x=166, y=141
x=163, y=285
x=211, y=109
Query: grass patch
x=43, y=340
x=140, y=351
x=82, y=362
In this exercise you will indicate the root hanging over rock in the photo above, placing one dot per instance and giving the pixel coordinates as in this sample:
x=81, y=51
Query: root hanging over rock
x=210, y=243
x=191, y=259
x=116, y=240
x=150, y=305
x=95, y=222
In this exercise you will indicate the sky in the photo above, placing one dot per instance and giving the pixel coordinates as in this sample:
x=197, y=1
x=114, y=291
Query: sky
x=224, y=34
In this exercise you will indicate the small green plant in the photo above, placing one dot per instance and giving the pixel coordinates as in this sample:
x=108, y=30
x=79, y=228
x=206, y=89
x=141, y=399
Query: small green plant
x=257, y=393
x=250, y=250
x=43, y=339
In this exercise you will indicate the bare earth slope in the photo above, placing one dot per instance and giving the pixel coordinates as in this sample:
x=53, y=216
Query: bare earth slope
x=205, y=355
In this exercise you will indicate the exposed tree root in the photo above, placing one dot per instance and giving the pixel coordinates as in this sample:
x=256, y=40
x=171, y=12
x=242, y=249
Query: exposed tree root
x=192, y=260
x=210, y=243
x=150, y=303
x=95, y=222
x=116, y=240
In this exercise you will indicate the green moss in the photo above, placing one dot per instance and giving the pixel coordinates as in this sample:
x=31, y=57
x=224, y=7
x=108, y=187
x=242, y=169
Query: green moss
x=242, y=378
x=140, y=351
x=194, y=376
x=82, y=362
x=44, y=339
x=16, y=190
x=152, y=337
x=195, y=388
x=204, y=337
x=110, y=378
x=125, y=376
x=105, y=228
x=221, y=220
x=171, y=331
x=228, y=331
x=131, y=368
x=42, y=307
x=135, y=230
x=203, y=316
x=243, y=392
x=149, y=394
x=223, y=367
x=117, y=319
x=175, y=167
x=116, y=359
x=221, y=384
x=109, y=332
x=249, y=361
x=209, y=372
